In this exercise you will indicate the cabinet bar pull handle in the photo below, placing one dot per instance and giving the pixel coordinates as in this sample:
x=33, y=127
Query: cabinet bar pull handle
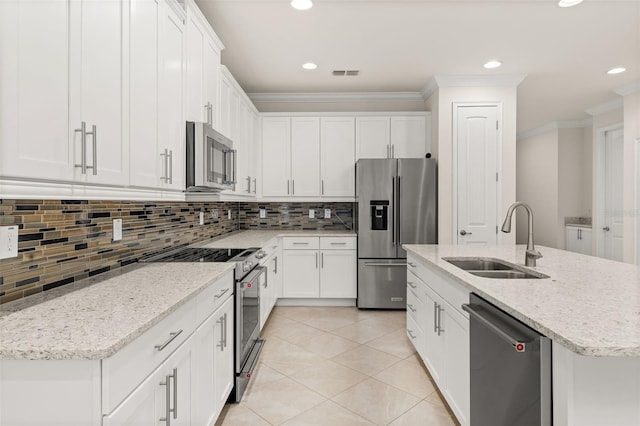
x=338, y=244
x=411, y=307
x=255, y=185
x=225, y=329
x=293, y=187
x=322, y=186
x=275, y=269
x=322, y=260
x=83, y=147
x=411, y=284
x=287, y=186
x=249, y=184
x=440, y=311
x=316, y=260
x=94, y=136
x=297, y=244
x=393, y=153
x=175, y=393
x=435, y=317
x=411, y=334
x=388, y=152
x=413, y=265
x=170, y=161
x=165, y=166
x=222, y=292
x=221, y=344
x=167, y=415
x=171, y=338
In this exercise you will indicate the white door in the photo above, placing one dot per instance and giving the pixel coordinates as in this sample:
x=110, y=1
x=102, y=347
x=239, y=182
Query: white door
x=408, y=137
x=145, y=160
x=301, y=276
x=305, y=156
x=372, y=137
x=338, y=273
x=276, y=156
x=98, y=79
x=477, y=168
x=337, y=158
x=34, y=100
x=613, y=202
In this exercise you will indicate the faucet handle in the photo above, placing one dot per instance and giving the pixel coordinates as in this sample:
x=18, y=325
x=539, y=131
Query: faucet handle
x=534, y=254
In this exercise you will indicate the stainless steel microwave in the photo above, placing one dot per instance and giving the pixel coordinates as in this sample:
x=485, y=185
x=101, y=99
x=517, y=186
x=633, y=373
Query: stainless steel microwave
x=211, y=159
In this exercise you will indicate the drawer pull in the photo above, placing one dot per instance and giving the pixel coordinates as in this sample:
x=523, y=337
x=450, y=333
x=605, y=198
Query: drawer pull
x=411, y=284
x=338, y=244
x=300, y=244
x=222, y=292
x=413, y=265
x=171, y=338
x=411, y=307
x=411, y=334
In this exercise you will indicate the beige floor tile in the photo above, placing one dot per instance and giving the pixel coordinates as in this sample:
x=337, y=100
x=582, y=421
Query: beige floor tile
x=378, y=402
x=366, y=360
x=424, y=414
x=360, y=332
x=327, y=345
x=408, y=375
x=327, y=414
x=301, y=313
x=395, y=343
x=297, y=332
x=288, y=358
x=280, y=401
x=387, y=324
x=328, y=378
x=239, y=415
x=262, y=375
x=328, y=323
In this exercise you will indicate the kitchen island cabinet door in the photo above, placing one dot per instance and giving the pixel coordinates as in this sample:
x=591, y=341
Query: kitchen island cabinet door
x=301, y=277
x=338, y=273
x=456, y=365
x=433, y=347
x=224, y=371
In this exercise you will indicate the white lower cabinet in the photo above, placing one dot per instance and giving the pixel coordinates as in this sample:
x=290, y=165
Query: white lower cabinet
x=271, y=287
x=322, y=267
x=444, y=342
x=578, y=239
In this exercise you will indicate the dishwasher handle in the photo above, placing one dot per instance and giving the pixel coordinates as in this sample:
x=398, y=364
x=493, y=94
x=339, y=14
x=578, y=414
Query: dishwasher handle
x=518, y=345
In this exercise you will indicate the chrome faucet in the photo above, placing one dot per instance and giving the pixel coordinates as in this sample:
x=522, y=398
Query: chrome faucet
x=532, y=254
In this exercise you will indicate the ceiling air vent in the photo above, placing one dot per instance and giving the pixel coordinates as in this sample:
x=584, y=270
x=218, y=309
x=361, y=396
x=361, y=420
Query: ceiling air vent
x=342, y=73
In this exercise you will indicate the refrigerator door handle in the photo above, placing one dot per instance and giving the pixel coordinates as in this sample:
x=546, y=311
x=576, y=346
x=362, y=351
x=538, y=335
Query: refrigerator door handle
x=397, y=218
x=393, y=219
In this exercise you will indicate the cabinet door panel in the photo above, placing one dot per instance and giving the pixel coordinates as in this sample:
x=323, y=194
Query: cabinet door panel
x=212, y=79
x=408, y=137
x=305, y=156
x=433, y=353
x=372, y=137
x=276, y=155
x=204, y=349
x=456, y=365
x=101, y=101
x=223, y=357
x=224, y=125
x=34, y=83
x=301, y=277
x=195, y=48
x=338, y=156
x=338, y=273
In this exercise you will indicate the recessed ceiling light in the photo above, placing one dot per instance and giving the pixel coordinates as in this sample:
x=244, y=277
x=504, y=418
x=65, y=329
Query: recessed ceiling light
x=616, y=70
x=492, y=64
x=309, y=66
x=568, y=3
x=301, y=4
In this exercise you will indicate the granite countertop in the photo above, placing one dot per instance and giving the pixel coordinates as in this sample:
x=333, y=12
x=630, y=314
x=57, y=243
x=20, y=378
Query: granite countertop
x=259, y=238
x=95, y=322
x=588, y=304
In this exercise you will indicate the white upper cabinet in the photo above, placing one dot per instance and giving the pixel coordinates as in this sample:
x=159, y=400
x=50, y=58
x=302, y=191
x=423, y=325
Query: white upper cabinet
x=337, y=156
x=372, y=137
x=276, y=156
x=397, y=136
x=408, y=137
x=62, y=66
x=224, y=123
x=305, y=156
x=212, y=82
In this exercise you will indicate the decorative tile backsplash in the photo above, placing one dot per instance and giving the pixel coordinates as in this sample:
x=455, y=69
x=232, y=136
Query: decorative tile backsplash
x=63, y=241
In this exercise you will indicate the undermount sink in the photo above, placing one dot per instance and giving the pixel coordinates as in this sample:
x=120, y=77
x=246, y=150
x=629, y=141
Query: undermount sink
x=493, y=268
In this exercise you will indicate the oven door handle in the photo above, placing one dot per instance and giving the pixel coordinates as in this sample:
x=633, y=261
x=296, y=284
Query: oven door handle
x=259, y=270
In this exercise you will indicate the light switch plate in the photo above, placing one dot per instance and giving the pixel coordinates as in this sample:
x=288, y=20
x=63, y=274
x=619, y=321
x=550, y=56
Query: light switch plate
x=8, y=241
x=117, y=229
x=327, y=213
x=201, y=218
x=263, y=213
x=312, y=213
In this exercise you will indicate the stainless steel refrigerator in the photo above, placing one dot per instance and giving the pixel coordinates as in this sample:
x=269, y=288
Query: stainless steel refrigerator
x=395, y=204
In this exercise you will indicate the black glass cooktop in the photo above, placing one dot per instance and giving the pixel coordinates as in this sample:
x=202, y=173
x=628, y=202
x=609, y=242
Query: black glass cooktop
x=194, y=254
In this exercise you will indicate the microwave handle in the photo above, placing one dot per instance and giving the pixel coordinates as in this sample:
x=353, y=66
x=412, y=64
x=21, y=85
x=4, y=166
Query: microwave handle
x=232, y=165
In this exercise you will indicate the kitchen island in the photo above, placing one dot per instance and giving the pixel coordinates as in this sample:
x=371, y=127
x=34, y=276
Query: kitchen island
x=589, y=307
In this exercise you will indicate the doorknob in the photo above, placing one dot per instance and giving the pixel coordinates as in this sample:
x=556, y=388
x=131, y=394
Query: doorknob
x=606, y=229
x=463, y=232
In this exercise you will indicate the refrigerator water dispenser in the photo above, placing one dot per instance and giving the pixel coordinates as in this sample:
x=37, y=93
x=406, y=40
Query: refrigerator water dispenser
x=379, y=215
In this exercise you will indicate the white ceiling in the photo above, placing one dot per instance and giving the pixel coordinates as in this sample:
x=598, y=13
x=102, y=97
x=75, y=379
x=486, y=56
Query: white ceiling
x=399, y=46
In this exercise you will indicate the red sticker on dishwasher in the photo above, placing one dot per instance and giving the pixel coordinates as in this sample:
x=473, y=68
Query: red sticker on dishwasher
x=248, y=285
x=519, y=347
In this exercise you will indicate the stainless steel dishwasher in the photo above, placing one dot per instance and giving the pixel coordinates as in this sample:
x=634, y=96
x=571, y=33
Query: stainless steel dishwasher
x=510, y=369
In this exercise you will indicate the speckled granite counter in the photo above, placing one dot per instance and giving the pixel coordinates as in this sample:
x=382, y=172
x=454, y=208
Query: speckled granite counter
x=258, y=238
x=588, y=305
x=96, y=321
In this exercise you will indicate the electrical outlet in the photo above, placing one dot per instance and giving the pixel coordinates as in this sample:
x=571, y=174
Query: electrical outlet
x=8, y=241
x=228, y=214
x=201, y=218
x=263, y=213
x=214, y=214
x=117, y=229
x=312, y=214
x=327, y=213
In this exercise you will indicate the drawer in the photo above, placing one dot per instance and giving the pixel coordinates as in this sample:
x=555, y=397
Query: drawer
x=452, y=292
x=415, y=307
x=126, y=369
x=414, y=283
x=301, y=243
x=213, y=297
x=271, y=246
x=415, y=334
x=338, y=243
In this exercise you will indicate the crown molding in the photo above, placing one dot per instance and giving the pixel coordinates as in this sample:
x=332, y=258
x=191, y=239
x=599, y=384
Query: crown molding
x=605, y=107
x=337, y=97
x=628, y=89
x=510, y=80
x=554, y=125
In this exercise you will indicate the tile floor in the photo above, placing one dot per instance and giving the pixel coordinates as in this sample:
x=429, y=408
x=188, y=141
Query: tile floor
x=338, y=366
